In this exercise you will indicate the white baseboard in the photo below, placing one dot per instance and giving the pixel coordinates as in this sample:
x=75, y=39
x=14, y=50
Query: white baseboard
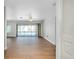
x=50, y=41
x=5, y=48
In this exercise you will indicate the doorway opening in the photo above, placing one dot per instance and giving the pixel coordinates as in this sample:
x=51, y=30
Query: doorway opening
x=32, y=25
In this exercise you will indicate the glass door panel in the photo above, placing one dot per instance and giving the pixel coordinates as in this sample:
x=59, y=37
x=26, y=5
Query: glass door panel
x=27, y=30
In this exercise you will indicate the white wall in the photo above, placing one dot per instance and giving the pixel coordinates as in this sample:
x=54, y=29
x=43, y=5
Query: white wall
x=49, y=26
x=9, y=13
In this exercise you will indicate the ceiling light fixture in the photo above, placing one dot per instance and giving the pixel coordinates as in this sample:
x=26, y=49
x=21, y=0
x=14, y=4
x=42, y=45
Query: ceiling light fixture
x=30, y=17
x=20, y=18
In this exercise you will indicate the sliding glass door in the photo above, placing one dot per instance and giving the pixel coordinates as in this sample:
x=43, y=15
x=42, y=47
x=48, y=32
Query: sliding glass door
x=27, y=30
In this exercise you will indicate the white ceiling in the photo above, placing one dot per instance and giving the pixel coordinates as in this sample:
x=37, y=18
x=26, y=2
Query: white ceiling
x=39, y=9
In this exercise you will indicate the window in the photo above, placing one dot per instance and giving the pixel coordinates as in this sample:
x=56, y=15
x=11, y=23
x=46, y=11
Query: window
x=8, y=28
x=27, y=30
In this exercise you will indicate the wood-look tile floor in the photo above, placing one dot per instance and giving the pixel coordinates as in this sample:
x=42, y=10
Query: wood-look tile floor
x=29, y=48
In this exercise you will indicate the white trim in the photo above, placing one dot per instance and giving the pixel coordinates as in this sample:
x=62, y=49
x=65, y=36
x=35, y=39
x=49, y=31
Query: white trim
x=59, y=18
x=49, y=41
x=5, y=48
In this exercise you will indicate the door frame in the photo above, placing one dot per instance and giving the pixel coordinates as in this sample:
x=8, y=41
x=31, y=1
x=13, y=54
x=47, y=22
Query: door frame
x=59, y=18
x=59, y=5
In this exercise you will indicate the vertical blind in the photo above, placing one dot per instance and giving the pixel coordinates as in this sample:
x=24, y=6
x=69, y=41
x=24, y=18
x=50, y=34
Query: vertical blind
x=27, y=30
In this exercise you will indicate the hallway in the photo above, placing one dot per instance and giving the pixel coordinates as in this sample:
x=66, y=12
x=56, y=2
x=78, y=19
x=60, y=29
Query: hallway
x=29, y=48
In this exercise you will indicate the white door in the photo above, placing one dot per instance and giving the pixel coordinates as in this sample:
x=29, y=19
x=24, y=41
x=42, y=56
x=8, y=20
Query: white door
x=65, y=29
x=68, y=30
